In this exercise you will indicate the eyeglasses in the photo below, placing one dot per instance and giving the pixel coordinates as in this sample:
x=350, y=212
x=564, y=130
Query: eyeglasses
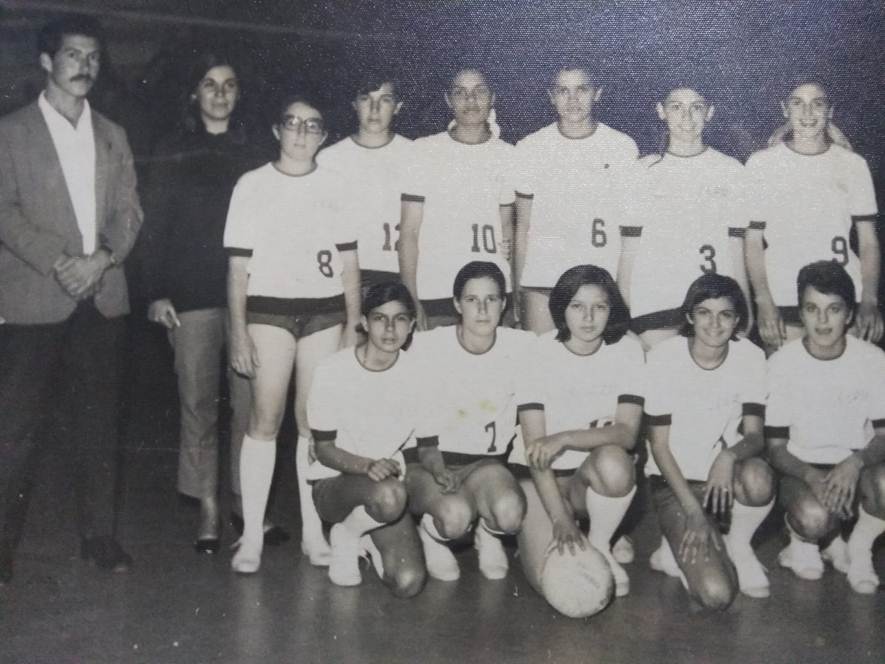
x=480, y=93
x=309, y=126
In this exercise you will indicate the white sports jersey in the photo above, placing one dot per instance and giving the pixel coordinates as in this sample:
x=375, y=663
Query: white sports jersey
x=578, y=392
x=369, y=413
x=462, y=187
x=685, y=209
x=471, y=405
x=293, y=228
x=375, y=179
x=826, y=408
x=703, y=406
x=575, y=185
x=806, y=205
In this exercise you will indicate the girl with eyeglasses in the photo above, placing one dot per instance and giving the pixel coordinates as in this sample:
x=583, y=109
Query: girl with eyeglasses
x=458, y=205
x=293, y=281
x=704, y=404
x=686, y=217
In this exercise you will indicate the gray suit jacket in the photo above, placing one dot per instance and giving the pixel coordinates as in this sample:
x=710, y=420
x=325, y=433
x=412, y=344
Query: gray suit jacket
x=38, y=224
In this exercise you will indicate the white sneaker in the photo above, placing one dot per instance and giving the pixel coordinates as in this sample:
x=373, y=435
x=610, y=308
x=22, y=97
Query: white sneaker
x=837, y=554
x=368, y=548
x=318, y=552
x=441, y=562
x=803, y=558
x=492, y=559
x=622, y=550
x=344, y=567
x=861, y=574
x=663, y=560
x=752, y=577
x=247, y=559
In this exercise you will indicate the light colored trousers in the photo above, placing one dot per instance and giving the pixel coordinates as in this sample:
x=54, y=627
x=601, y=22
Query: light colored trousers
x=199, y=345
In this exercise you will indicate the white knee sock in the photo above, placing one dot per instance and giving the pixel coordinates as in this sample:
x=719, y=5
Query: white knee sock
x=606, y=514
x=866, y=530
x=745, y=520
x=359, y=522
x=257, y=460
x=311, y=526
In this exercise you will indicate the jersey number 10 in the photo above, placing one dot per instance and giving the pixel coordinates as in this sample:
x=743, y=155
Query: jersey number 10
x=486, y=235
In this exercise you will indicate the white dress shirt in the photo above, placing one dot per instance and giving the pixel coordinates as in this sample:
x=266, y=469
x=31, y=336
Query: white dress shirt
x=75, y=146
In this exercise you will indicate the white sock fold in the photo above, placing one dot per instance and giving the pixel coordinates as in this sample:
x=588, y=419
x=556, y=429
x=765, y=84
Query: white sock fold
x=257, y=460
x=311, y=525
x=430, y=528
x=745, y=521
x=606, y=514
x=866, y=530
x=359, y=522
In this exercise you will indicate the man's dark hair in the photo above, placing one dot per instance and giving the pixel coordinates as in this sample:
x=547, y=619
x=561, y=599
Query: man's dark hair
x=51, y=35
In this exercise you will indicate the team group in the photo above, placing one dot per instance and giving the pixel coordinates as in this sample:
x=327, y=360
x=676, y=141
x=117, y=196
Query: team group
x=393, y=276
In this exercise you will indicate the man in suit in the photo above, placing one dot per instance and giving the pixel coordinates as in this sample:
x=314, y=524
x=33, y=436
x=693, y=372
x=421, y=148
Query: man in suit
x=69, y=215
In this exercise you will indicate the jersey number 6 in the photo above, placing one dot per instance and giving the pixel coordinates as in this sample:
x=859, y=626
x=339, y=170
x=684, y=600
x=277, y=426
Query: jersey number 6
x=598, y=238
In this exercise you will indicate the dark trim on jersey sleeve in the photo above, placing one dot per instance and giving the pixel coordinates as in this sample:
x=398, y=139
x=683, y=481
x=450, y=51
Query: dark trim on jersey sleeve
x=520, y=194
x=659, y=420
x=635, y=399
x=757, y=226
x=428, y=441
x=878, y=424
x=346, y=246
x=756, y=409
x=777, y=432
x=858, y=218
x=529, y=406
x=414, y=198
x=323, y=436
x=736, y=232
x=237, y=251
x=506, y=204
x=410, y=455
x=631, y=231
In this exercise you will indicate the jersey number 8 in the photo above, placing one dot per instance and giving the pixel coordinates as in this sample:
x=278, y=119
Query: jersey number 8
x=324, y=263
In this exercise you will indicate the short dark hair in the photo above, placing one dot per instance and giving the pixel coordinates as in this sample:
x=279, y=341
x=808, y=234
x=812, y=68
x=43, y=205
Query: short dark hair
x=829, y=278
x=588, y=275
x=384, y=292
x=574, y=65
x=712, y=286
x=478, y=270
x=372, y=80
x=295, y=98
x=50, y=37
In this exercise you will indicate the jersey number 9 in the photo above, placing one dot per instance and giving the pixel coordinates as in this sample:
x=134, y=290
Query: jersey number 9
x=839, y=245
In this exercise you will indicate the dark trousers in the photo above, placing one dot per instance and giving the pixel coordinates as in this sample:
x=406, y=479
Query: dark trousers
x=72, y=369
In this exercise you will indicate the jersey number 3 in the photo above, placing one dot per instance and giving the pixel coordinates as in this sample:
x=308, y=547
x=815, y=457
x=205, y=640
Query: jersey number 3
x=708, y=251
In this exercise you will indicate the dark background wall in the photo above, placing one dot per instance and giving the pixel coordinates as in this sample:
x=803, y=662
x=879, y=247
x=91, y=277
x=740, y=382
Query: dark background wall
x=742, y=54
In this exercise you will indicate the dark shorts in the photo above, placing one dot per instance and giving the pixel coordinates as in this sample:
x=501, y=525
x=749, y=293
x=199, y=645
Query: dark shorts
x=300, y=317
x=657, y=320
x=663, y=497
x=521, y=472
